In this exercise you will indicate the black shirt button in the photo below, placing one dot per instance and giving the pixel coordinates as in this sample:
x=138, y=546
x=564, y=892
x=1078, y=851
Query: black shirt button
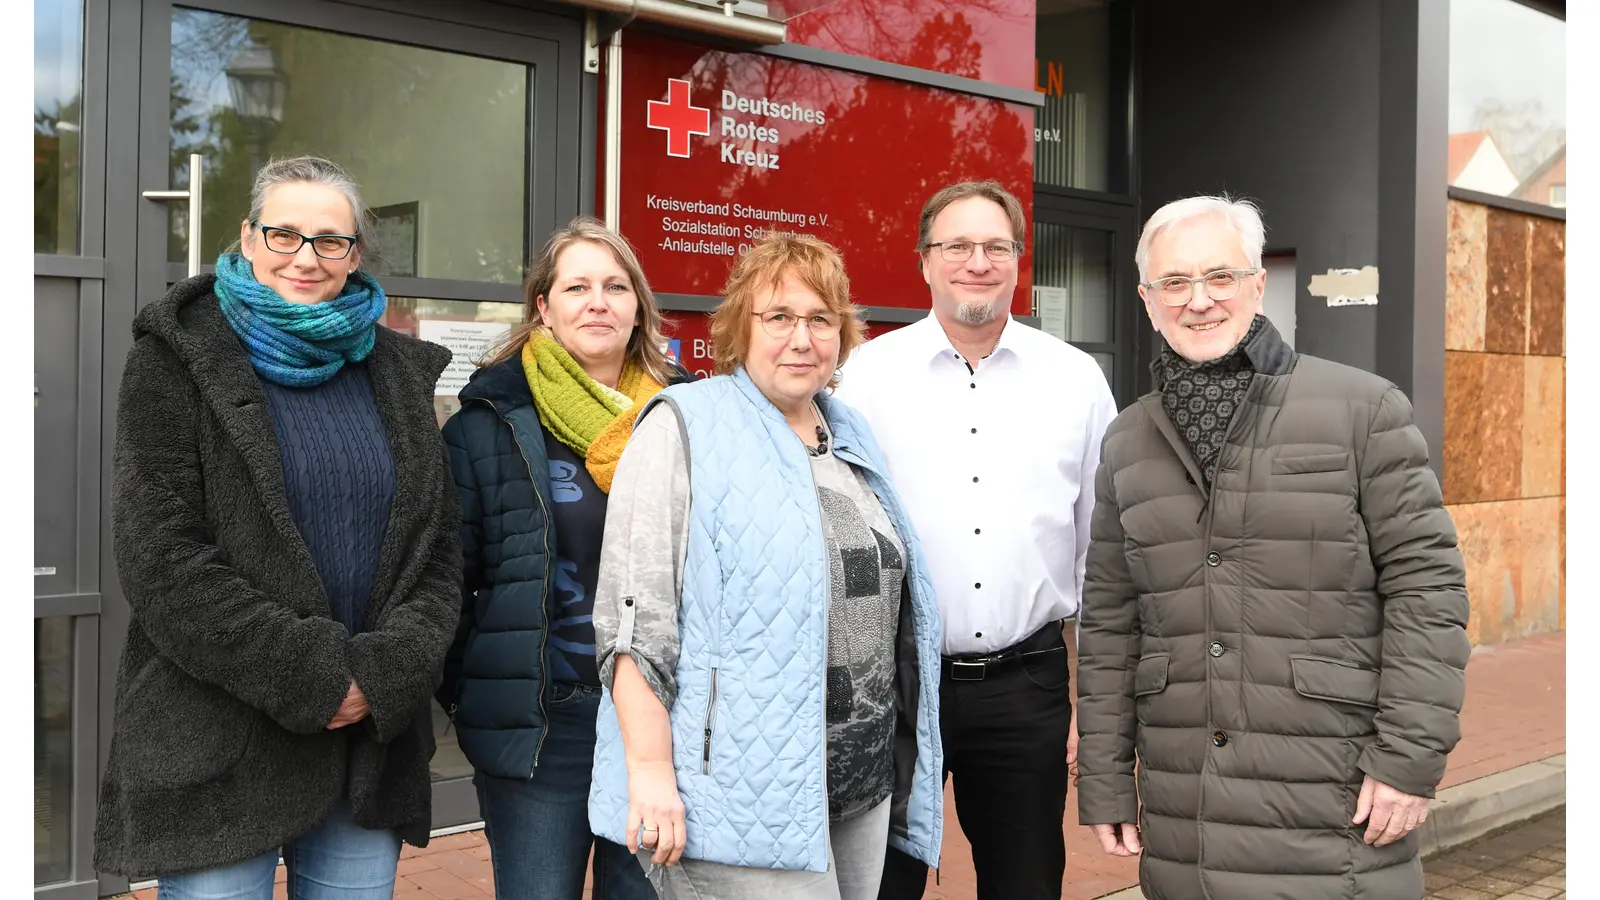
x=974, y=431
x=1219, y=739
x=977, y=584
x=979, y=634
x=973, y=385
x=977, y=531
x=974, y=479
x=1212, y=559
x=1217, y=649
x=628, y=602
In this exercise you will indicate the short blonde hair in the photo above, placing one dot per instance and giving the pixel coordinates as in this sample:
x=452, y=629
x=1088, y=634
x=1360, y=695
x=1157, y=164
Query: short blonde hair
x=818, y=266
x=644, y=346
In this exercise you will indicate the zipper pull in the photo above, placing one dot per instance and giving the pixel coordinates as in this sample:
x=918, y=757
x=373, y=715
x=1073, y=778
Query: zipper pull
x=705, y=757
x=451, y=713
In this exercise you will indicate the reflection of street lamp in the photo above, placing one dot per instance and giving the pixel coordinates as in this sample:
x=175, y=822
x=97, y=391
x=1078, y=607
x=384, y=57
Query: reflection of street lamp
x=258, y=86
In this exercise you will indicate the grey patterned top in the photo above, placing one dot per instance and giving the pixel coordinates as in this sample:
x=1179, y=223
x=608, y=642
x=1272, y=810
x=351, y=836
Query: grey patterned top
x=1201, y=399
x=646, y=539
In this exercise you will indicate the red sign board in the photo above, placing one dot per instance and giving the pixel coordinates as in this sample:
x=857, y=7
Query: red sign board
x=720, y=147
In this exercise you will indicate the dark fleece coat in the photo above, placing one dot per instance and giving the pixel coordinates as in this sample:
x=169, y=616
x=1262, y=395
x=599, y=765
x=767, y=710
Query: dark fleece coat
x=234, y=665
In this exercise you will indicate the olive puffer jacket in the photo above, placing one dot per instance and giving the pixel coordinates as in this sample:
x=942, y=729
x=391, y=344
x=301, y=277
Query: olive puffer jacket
x=1264, y=648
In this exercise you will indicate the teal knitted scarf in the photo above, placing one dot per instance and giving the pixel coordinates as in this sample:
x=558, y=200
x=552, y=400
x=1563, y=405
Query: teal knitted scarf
x=298, y=344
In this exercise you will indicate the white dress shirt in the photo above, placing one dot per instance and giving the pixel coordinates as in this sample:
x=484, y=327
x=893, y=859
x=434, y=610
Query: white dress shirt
x=995, y=466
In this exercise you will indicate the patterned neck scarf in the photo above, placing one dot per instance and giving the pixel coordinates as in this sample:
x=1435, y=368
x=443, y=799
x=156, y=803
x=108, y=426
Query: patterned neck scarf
x=592, y=419
x=298, y=344
x=1201, y=399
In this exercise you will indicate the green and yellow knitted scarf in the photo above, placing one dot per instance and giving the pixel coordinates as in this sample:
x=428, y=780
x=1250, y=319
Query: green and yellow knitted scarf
x=581, y=412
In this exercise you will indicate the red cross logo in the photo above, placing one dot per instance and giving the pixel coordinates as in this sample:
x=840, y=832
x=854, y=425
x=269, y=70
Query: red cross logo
x=679, y=118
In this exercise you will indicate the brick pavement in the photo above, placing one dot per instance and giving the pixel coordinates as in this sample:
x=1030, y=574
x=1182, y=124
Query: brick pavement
x=1515, y=713
x=1527, y=862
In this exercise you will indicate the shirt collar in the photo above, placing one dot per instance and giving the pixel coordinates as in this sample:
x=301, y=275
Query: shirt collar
x=936, y=343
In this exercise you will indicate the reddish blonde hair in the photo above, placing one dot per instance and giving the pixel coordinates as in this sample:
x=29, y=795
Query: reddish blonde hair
x=816, y=263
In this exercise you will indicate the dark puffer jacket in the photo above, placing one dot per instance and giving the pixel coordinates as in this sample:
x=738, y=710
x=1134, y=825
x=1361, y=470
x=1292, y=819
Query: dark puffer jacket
x=234, y=664
x=494, y=676
x=1265, y=648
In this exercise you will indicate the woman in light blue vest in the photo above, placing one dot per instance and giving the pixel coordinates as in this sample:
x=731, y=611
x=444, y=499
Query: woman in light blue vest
x=765, y=626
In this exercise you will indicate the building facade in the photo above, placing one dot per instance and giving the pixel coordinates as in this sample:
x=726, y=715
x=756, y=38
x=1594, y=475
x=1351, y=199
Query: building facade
x=476, y=127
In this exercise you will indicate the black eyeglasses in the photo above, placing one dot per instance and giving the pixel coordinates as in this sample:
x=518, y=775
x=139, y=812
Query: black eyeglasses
x=288, y=242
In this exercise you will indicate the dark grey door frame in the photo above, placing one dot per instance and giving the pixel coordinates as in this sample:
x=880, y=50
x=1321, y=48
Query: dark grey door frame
x=128, y=48
x=1117, y=218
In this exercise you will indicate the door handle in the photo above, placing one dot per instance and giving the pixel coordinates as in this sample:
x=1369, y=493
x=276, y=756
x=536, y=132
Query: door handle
x=194, y=195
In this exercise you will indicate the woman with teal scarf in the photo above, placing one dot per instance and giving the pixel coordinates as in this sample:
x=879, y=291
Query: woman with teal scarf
x=287, y=535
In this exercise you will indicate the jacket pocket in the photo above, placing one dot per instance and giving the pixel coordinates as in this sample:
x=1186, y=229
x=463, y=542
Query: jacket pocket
x=711, y=721
x=176, y=732
x=1338, y=680
x=1151, y=675
x=1306, y=465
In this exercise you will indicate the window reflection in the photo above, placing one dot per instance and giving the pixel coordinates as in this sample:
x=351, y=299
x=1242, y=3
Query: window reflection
x=1508, y=101
x=57, y=123
x=1072, y=282
x=469, y=330
x=1076, y=68
x=450, y=207
x=52, y=749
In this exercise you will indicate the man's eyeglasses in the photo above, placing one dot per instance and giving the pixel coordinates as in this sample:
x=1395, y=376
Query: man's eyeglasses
x=288, y=242
x=1223, y=284
x=780, y=323
x=961, y=251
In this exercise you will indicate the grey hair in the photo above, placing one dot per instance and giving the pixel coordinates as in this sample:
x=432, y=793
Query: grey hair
x=1243, y=215
x=314, y=170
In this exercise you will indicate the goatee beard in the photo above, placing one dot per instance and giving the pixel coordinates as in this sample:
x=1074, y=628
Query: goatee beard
x=975, y=313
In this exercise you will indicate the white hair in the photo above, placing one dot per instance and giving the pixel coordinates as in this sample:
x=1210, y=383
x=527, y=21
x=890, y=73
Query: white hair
x=1242, y=215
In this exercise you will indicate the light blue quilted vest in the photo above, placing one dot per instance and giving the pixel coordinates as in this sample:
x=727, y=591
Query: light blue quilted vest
x=753, y=628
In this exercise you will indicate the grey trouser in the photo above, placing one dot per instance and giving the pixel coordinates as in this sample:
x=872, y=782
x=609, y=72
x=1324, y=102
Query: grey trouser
x=855, y=867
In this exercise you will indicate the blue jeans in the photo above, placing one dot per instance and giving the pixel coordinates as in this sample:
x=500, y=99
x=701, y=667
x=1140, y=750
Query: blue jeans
x=337, y=860
x=538, y=829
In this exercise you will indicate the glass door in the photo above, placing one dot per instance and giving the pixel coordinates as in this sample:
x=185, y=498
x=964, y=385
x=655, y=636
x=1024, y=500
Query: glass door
x=436, y=120
x=1085, y=284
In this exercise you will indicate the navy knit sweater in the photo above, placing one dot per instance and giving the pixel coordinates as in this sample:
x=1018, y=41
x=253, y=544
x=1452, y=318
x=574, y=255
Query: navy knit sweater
x=339, y=476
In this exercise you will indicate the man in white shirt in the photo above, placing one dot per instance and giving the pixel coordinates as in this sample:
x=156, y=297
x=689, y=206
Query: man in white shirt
x=992, y=433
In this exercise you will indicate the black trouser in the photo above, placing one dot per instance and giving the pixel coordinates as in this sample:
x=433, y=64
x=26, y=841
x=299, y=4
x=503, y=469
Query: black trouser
x=1005, y=744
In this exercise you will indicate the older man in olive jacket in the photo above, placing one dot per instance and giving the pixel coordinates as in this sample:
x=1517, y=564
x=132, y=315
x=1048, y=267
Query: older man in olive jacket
x=1274, y=615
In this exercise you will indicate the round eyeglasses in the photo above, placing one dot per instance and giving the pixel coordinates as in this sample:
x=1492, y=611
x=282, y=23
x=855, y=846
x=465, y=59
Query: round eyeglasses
x=288, y=242
x=780, y=323
x=1223, y=284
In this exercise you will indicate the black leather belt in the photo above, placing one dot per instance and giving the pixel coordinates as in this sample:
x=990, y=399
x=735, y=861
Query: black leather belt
x=976, y=668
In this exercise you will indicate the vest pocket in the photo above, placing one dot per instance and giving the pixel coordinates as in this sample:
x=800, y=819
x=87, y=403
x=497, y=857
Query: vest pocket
x=711, y=721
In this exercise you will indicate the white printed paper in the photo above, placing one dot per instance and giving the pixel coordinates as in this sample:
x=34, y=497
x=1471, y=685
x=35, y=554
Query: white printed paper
x=1051, y=304
x=468, y=343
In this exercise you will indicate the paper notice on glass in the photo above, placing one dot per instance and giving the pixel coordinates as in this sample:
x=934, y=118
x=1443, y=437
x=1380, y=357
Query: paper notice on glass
x=468, y=342
x=1051, y=302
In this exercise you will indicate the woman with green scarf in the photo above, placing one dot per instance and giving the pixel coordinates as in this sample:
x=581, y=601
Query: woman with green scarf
x=533, y=449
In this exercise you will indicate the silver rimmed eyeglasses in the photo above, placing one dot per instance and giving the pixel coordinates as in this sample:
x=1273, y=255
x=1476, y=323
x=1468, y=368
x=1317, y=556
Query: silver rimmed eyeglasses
x=1176, y=290
x=961, y=251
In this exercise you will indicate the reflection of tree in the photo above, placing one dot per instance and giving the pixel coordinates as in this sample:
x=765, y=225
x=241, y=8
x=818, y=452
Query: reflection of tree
x=889, y=29
x=55, y=177
x=954, y=136
x=1525, y=133
x=359, y=102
